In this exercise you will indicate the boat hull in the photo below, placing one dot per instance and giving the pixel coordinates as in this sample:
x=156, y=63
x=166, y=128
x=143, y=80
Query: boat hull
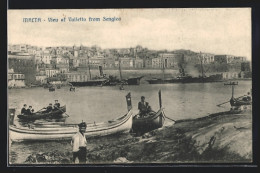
x=90, y=83
x=187, y=79
x=64, y=132
x=134, y=80
x=143, y=125
x=35, y=116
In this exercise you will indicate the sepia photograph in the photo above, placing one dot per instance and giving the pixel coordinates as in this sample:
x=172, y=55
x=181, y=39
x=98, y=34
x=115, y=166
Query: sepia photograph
x=129, y=86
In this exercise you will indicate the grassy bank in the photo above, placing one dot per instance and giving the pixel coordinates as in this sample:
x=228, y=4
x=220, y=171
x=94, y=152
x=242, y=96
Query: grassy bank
x=223, y=137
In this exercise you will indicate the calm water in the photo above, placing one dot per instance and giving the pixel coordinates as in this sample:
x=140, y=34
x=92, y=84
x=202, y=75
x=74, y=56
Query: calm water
x=98, y=104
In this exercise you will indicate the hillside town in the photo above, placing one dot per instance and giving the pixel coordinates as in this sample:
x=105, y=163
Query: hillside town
x=35, y=66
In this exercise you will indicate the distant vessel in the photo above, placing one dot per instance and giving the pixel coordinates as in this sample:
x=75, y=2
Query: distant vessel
x=121, y=81
x=184, y=78
x=91, y=82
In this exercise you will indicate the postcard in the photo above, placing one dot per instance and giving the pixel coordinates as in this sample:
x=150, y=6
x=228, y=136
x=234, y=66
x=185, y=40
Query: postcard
x=129, y=86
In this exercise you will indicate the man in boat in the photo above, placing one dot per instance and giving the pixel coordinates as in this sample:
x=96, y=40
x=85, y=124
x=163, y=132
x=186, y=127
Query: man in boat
x=56, y=105
x=29, y=110
x=143, y=107
x=48, y=109
x=24, y=110
x=79, y=144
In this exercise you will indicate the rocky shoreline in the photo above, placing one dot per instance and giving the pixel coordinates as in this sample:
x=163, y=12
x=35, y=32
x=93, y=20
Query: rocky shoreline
x=223, y=137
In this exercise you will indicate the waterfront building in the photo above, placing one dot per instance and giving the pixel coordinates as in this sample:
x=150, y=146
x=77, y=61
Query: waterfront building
x=126, y=62
x=17, y=48
x=246, y=66
x=63, y=68
x=147, y=62
x=46, y=58
x=24, y=65
x=51, y=72
x=76, y=76
x=230, y=75
x=138, y=63
x=170, y=60
x=228, y=59
x=157, y=63
x=41, y=78
x=15, y=79
x=206, y=58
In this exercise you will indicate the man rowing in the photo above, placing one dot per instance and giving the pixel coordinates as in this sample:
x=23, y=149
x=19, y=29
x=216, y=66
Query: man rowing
x=143, y=107
x=24, y=110
x=56, y=105
x=48, y=109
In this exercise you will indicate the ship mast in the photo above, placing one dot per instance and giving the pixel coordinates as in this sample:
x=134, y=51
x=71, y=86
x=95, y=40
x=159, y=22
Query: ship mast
x=163, y=69
x=119, y=66
x=89, y=69
x=202, y=70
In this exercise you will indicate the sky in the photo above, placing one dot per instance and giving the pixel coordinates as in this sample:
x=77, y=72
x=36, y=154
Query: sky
x=215, y=30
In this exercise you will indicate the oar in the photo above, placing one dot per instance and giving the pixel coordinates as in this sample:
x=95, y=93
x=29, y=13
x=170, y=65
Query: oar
x=40, y=110
x=229, y=101
x=61, y=110
x=170, y=119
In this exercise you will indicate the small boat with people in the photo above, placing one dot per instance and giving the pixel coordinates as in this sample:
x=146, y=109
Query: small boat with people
x=43, y=113
x=148, y=120
x=63, y=131
x=241, y=103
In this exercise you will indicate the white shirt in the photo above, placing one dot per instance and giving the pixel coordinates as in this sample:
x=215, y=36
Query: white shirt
x=78, y=140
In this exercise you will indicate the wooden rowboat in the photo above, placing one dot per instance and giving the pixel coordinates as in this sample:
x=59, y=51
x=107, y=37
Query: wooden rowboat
x=41, y=115
x=66, y=131
x=63, y=132
x=153, y=120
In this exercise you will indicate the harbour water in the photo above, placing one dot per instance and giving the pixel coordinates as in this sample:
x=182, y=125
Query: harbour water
x=181, y=101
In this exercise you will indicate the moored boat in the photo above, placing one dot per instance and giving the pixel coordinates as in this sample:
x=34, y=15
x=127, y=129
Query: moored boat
x=41, y=115
x=58, y=131
x=93, y=82
x=153, y=120
x=134, y=80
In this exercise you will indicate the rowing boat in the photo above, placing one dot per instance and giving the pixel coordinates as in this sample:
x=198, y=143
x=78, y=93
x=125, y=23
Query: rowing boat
x=153, y=120
x=63, y=132
x=41, y=115
x=58, y=131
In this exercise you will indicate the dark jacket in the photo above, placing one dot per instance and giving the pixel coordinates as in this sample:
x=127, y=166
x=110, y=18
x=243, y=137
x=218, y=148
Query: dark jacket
x=143, y=107
x=57, y=105
x=49, y=109
x=23, y=111
x=28, y=112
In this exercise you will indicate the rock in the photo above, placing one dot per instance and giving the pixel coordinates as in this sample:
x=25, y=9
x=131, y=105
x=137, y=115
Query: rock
x=122, y=160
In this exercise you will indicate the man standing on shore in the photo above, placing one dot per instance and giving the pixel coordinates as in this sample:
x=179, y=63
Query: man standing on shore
x=79, y=144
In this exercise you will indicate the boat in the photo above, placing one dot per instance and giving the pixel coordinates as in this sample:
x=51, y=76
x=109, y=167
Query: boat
x=134, y=80
x=184, y=78
x=93, y=82
x=51, y=89
x=61, y=131
x=41, y=115
x=152, y=121
x=112, y=81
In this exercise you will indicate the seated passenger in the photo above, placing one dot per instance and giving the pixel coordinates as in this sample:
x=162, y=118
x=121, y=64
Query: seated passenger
x=23, y=111
x=143, y=107
x=29, y=110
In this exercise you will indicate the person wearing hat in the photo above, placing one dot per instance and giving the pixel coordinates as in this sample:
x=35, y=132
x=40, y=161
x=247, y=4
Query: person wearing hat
x=56, y=105
x=143, y=107
x=79, y=144
x=29, y=110
x=24, y=110
x=48, y=109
